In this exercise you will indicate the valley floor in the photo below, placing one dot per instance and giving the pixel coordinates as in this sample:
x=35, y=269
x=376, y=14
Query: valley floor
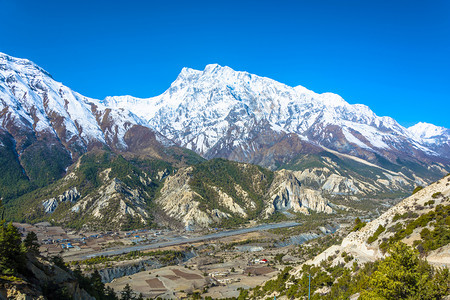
x=215, y=263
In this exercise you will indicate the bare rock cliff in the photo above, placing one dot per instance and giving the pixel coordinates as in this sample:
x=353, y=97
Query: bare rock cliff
x=286, y=192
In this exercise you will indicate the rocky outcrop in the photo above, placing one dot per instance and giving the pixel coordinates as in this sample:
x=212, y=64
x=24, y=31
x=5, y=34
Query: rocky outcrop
x=70, y=195
x=336, y=184
x=111, y=205
x=51, y=204
x=286, y=192
x=356, y=243
x=179, y=201
x=228, y=202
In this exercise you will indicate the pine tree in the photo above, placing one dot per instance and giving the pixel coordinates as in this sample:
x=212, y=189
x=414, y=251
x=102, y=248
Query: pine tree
x=97, y=284
x=31, y=243
x=2, y=211
x=110, y=294
x=127, y=293
x=12, y=254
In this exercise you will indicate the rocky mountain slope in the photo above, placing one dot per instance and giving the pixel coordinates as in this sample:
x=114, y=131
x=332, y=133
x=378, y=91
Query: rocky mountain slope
x=102, y=191
x=420, y=220
x=402, y=254
x=106, y=191
x=226, y=193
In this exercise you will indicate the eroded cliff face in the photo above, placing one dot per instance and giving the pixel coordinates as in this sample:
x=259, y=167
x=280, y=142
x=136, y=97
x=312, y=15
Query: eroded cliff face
x=286, y=192
x=111, y=204
x=180, y=201
x=51, y=204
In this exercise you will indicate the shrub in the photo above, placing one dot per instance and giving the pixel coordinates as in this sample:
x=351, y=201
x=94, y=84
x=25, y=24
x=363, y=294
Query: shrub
x=402, y=275
x=375, y=235
x=436, y=195
x=431, y=202
x=358, y=224
x=418, y=188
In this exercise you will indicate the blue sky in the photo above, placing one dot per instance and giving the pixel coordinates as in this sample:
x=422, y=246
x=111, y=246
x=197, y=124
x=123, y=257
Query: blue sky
x=393, y=56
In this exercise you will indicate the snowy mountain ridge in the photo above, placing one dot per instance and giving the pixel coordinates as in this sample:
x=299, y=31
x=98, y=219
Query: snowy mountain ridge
x=202, y=107
x=31, y=98
x=217, y=112
x=430, y=133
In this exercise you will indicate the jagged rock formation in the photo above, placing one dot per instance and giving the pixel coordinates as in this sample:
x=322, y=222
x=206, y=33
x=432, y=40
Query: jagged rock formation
x=51, y=204
x=287, y=192
x=178, y=201
x=112, y=203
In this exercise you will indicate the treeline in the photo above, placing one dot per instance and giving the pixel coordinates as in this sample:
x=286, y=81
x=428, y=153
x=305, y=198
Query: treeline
x=164, y=256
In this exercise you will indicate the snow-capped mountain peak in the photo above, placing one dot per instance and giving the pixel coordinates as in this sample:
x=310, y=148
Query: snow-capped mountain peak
x=204, y=108
x=21, y=65
x=33, y=104
x=217, y=112
x=434, y=137
x=426, y=130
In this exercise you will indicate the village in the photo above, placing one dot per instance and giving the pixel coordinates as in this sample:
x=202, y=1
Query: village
x=56, y=240
x=216, y=263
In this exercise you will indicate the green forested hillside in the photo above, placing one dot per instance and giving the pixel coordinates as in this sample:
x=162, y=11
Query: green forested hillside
x=226, y=175
x=92, y=172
